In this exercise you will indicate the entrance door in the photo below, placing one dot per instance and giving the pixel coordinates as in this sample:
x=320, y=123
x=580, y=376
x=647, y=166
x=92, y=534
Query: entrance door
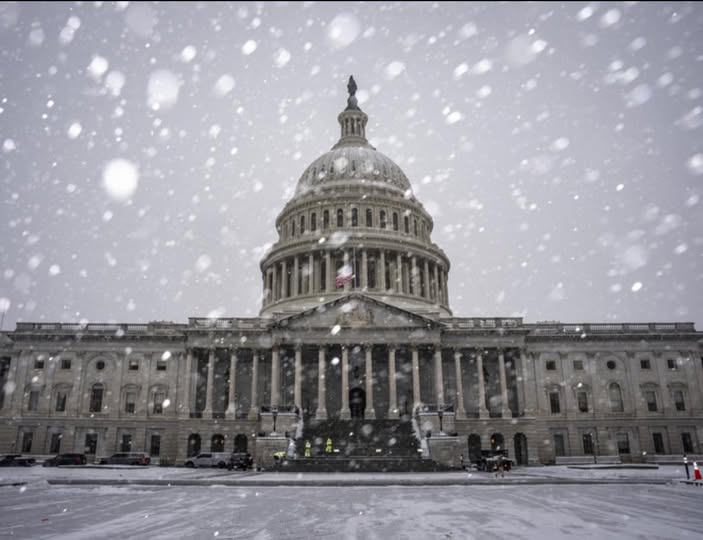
x=357, y=402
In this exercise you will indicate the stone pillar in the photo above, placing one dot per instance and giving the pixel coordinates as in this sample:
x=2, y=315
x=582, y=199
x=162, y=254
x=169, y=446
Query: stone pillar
x=529, y=390
x=284, y=279
x=207, y=413
x=369, y=413
x=438, y=377
x=296, y=263
x=460, y=411
x=416, y=377
x=275, y=378
x=311, y=274
x=232, y=406
x=398, y=273
x=382, y=268
x=504, y=405
x=328, y=270
x=413, y=275
x=364, y=271
x=321, y=413
x=482, y=411
x=298, y=380
x=254, y=411
x=188, y=385
x=435, y=296
x=427, y=280
x=392, y=387
x=345, y=413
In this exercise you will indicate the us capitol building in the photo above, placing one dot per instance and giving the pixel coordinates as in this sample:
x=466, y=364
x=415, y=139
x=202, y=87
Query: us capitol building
x=355, y=335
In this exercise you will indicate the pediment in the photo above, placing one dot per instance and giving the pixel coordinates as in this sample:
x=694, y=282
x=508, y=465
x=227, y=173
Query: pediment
x=356, y=311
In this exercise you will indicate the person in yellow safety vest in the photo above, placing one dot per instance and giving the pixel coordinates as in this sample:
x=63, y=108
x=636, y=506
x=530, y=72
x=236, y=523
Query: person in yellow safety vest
x=307, y=448
x=328, y=446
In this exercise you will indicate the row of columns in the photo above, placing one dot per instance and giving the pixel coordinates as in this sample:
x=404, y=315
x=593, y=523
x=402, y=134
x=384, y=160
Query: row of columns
x=345, y=412
x=404, y=276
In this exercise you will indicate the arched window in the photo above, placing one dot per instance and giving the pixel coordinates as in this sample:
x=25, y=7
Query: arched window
x=415, y=226
x=96, y=397
x=615, y=395
x=302, y=224
x=326, y=219
x=240, y=442
x=355, y=217
x=395, y=221
x=340, y=217
x=406, y=224
x=193, y=445
x=292, y=227
x=369, y=217
x=383, y=219
x=313, y=222
x=497, y=442
x=217, y=443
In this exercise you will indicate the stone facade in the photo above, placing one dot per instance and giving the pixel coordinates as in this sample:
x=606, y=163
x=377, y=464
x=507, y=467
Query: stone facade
x=355, y=324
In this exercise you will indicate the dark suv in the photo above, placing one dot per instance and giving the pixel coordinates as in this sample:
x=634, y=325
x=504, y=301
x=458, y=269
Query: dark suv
x=241, y=460
x=66, y=459
x=16, y=460
x=127, y=458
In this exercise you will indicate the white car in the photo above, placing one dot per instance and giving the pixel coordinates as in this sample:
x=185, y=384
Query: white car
x=210, y=459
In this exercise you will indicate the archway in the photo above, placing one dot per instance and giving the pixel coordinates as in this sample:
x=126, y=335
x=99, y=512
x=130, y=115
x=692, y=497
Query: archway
x=474, y=448
x=217, y=443
x=497, y=442
x=357, y=402
x=240, y=443
x=520, y=448
x=193, y=445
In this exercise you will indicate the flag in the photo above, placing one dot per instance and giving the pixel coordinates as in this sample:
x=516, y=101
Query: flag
x=344, y=275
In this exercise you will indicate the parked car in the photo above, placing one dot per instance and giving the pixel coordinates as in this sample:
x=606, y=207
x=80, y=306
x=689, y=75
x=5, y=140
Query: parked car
x=241, y=460
x=210, y=459
x=127, y=458
x=66, y=459
x=490, y=461
x=16, y=460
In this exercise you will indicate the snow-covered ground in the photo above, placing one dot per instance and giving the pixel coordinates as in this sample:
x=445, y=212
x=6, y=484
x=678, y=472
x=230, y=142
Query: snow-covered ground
x=39, y=510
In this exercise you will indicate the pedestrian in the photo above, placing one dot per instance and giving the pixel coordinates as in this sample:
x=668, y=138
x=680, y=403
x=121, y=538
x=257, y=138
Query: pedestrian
x=328, y=446
x=461, y=460
x=685, y=464
x=500, y=468
x=308, y=447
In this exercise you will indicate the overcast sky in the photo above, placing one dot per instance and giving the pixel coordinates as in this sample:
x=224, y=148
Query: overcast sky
x=147, y=149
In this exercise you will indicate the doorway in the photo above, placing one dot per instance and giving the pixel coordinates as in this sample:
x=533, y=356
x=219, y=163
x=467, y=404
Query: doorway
x=357, y=402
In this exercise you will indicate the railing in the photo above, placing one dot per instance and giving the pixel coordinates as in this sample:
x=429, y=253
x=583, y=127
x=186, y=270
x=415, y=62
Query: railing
x=227, y=323
x=482, y=323
x=602, y=328
x=280, y=409
x=94, y=327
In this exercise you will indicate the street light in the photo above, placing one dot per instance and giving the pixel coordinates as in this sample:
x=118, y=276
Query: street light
x=274, y=414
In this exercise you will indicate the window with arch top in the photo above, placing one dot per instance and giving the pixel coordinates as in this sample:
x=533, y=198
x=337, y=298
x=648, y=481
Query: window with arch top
x=326, y=219
x=369, y=218
x=355, y=217
x=313, y=222
x=395, y=221
x=340, y=217
x=383, y=219
x=615, y=396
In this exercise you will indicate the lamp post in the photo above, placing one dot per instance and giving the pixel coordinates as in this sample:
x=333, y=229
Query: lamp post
x=274, y=414
x=440, y=413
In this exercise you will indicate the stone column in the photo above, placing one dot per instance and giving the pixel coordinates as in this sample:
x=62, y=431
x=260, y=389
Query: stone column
x=482, y=411
x=460, y=411
x=254, y=411
x=345, y=413
x=369, y=413
x=392, y=387
x=275, y=378
x=529, y=390
x=382, y=281
x=427, y=279
x=298, y=379
x=413, y=275
x=321, y=413
x=296, y=263
x=438, y=376
x=435, y=296
x=364, y=271
x=504, y=405
x=284, y=279
x=232, y=406
x=328, y=271
x=187, y=385
x=207, y=413
x=311, y=274
x=416, y=377
x=398, y=273
x=276, y=289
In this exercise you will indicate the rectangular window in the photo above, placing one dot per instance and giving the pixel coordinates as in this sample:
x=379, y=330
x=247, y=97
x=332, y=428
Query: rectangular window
x=658, y=443
x=678, y=400
x=578, y=365
x=651, y=397
x=369, y=218
x=326, y=219
x=39, y=363
x=587, y=444
x=159, y=398
x=672, y=364
x=27, y=437
x=134, y=365
x=91, y=443
x=559, y=448
x=687, y=443
x=96, y=399
x=155, y=445
x=395, y=221
x=340, y=217
x=623, y=443
x=406, y=224
x=65, y=363
x=33, y=400
x=551, y=365
x=355, y=217
x=60, y=401
x=126, y=445
x=583, y=401
x=644, y=364
x=130, y=402
x=160, y=365
x=554, y=402
x=55, y=446
x=313, y=222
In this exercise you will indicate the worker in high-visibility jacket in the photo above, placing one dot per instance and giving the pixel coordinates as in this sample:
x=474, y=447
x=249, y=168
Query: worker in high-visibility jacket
x=308, y=446
x=328, y=446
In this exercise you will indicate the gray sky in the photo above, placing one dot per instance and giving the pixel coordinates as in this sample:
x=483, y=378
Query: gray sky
x=558, y=146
